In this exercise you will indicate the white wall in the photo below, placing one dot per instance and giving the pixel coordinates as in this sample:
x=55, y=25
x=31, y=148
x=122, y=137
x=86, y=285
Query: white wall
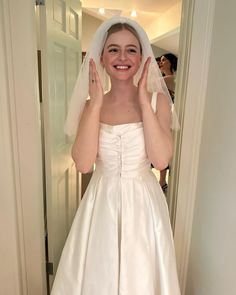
x=169, y=21
x=157, y=51
x=212, y=260
x=89, y=26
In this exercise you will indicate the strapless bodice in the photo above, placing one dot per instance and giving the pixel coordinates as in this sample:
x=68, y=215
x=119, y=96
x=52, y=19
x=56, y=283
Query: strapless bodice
x=122, y=150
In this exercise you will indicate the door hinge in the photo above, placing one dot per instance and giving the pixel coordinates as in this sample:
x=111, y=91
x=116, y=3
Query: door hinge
x=40, y=2
x=49, y=268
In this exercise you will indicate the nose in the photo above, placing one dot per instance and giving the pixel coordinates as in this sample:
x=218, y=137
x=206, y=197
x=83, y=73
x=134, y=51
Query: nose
x=122, y=55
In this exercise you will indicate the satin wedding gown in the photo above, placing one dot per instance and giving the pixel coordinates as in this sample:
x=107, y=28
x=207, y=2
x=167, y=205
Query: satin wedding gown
x=120, y=242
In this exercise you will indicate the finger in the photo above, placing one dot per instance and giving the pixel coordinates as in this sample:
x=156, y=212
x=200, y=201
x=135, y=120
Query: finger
x=91, y=75
x=146, y=66
x=94, y=71
x=145, y=70
x=95, y=74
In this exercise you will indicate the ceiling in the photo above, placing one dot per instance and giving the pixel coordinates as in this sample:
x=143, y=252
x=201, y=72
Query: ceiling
x=145, y=5
x=168, y=41
x=147, y=12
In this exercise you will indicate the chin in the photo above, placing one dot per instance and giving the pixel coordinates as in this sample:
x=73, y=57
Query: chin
x=123, y=78
x=123, y=75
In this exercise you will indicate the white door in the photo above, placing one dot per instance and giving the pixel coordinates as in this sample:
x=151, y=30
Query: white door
x=59, y=32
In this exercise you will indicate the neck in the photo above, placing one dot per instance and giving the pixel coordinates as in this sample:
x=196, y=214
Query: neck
x=168, y=73
x=122, y=91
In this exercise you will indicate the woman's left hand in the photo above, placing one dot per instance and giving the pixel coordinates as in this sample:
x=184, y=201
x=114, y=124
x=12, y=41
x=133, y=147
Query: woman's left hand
x=143, y=94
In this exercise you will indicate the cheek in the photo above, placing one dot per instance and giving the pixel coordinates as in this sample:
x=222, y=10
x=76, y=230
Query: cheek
x=137, y=60
x=105, y=60
x=101, y=60
x=168, y=65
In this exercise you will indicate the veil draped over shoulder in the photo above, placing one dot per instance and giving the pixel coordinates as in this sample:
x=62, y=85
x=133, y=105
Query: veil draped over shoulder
x=155, y=82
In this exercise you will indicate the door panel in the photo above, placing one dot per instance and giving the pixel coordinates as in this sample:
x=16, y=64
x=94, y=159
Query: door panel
x=59, y=26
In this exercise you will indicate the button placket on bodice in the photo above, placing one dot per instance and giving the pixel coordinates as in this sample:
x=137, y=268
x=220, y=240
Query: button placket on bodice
x=122, y=151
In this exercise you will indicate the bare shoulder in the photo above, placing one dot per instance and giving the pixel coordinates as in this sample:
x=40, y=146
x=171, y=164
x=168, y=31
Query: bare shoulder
x=170, y=82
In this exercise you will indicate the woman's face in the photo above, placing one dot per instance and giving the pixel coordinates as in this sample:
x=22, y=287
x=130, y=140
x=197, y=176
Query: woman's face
x=165, y=65
x=121, y=55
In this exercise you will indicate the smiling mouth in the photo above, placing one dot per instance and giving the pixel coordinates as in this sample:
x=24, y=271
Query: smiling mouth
x=122, y=67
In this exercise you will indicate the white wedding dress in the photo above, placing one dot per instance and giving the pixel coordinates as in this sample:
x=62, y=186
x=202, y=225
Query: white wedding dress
x=120, y=242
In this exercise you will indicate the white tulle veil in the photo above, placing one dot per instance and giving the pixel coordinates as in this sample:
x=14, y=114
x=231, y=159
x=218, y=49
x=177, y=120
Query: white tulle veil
x=155, y=82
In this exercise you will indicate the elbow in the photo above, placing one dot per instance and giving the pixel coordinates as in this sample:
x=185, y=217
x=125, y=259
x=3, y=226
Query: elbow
x=81, y=165
x=82, y=168
x=161, y=164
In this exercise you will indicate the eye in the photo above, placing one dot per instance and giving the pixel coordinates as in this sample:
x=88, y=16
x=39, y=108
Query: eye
x=132, y=50
x=113, y=50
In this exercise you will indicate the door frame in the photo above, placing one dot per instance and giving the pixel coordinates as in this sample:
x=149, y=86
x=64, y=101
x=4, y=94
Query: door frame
x=195, y=46
x=197, y=21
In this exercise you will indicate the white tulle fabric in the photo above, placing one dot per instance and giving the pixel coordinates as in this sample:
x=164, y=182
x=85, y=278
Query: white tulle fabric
x=121, y=240
x=155, y=81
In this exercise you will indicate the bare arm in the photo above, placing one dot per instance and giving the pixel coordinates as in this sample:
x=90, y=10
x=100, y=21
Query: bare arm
x=84, y=150
x=85, y=147
x=157, y=131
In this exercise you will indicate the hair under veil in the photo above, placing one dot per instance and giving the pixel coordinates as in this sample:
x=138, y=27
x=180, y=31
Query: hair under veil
x=155, y=81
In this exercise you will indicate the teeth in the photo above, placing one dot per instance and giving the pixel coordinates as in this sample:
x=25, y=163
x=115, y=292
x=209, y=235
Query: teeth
x=122, y=67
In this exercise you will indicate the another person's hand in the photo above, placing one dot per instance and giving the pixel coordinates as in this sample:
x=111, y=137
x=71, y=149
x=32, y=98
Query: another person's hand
x=143, y=94
x=95, y=85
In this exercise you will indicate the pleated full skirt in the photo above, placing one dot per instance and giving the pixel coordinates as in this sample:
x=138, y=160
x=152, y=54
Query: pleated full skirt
x=120, y=242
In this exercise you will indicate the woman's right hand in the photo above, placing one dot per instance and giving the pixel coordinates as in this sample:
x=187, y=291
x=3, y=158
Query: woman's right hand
x=95, y=85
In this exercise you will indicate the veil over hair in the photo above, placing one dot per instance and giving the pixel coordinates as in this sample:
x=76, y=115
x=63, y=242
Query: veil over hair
x=155, y=81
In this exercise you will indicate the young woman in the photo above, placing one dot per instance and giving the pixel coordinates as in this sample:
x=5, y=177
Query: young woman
x=121, y=240
x=168, y=68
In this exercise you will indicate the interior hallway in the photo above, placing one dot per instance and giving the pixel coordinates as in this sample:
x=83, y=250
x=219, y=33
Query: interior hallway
x=210, y=267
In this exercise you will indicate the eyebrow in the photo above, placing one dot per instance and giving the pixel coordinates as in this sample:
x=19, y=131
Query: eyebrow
x=116, y=45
